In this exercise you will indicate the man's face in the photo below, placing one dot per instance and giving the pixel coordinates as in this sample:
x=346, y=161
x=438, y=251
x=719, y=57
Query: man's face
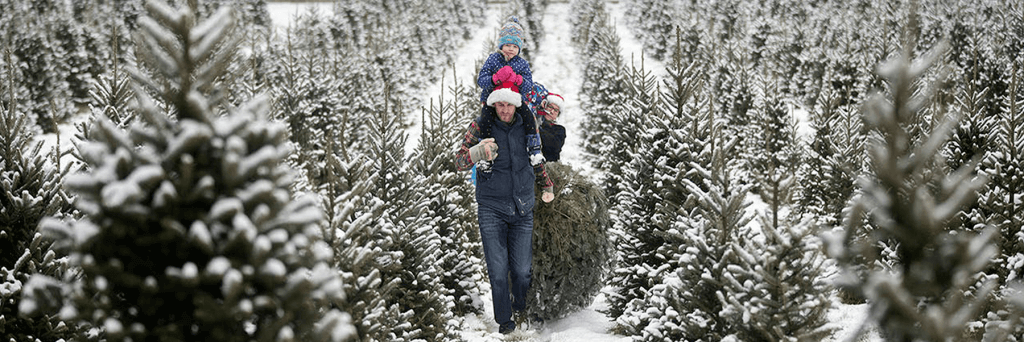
x=505, y=111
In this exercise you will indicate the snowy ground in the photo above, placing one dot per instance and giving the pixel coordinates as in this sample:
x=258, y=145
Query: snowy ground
x=555, y=66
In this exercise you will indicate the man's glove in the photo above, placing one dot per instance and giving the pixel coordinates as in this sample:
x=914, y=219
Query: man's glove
x=485, y=150
x=505, y=74
x=548, y=195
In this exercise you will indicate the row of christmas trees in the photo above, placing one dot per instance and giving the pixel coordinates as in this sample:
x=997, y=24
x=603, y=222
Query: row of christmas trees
x=184, y=201
x=188, y=222
x=898, y=177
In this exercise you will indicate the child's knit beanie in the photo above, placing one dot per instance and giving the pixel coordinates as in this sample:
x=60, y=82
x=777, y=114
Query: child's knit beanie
x=511, y=33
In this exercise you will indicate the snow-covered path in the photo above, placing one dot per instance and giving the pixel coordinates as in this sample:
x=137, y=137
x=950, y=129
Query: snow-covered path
x=554, y=64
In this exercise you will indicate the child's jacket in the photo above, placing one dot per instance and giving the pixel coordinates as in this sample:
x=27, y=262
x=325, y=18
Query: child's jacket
x=552, y=137
x=496, y=61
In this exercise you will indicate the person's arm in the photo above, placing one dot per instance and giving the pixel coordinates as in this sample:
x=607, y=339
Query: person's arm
x=545, y=183
x=463, y=159
x=543, y=180
x=491, y=65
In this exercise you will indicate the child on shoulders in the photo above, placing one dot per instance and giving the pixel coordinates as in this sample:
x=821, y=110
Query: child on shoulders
x=506, y=68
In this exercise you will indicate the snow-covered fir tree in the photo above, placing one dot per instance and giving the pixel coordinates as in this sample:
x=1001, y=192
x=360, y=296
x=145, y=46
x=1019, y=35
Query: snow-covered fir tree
x=80, y=65
x=626, y=121
x=190, y=229
x=448, y=197
x=531, y=15
x=687, y=304
x=584, y=12
x=249, y=13
x=30, y=189
x=770, y=147
x=308, y=91
x=388, y=32
x=833, y=161
x=683, y=144
x=775, y=287
x=972, y=140
x=655, y=19
x=734, y=87
x=773, y=290
x=636, y=193
x=603, y=83
x=254, y=77
x=975, y=50
x=776, y=290
x=931, y=293
x=414, y=247
x=28, y=31
x=111, y=94
x=1004, y=168
x=352, y=233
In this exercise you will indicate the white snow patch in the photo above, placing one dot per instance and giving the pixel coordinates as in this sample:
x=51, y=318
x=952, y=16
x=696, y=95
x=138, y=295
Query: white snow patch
x=113, y=326
x=282, y=13
x=218, y=266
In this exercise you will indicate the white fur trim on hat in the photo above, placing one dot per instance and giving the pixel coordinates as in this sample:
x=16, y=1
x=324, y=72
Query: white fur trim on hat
x=557, y=100
x=505, y=95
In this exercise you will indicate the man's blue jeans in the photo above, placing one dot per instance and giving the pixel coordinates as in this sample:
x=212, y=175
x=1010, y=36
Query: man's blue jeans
x=508, y=250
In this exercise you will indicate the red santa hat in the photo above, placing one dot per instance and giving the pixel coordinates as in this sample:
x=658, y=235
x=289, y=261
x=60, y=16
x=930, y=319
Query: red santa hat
x=557, y=100
x=505, y=92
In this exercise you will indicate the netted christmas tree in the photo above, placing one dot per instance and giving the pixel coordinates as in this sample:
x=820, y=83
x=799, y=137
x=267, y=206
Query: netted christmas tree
x=572, y=250
x=190, y=229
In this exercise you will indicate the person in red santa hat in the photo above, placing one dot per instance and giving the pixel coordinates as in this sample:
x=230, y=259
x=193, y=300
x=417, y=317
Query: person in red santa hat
x=548, y=107
x=505, y=199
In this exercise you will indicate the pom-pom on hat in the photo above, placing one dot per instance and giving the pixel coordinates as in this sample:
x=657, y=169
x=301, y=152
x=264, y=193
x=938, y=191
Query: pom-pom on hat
x=557, y=100
x=511, y=33
x=505, y=92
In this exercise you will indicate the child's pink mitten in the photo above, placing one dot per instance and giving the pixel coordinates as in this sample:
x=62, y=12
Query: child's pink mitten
x=503, y=74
